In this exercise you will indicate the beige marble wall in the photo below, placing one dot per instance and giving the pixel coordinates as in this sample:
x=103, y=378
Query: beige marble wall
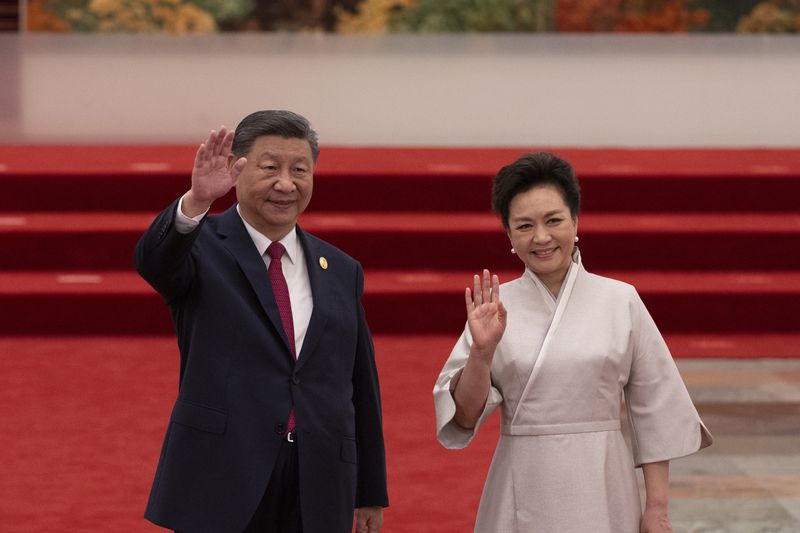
x=485, y=90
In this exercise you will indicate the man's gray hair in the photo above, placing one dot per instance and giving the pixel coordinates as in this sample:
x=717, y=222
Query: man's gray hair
x=281, y=123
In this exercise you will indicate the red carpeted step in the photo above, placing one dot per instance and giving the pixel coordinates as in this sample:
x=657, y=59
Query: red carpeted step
x=394, y=192
x=365, y=161
x=719, y=241
x=679, y=301
x=407, y=302
x=110, y=178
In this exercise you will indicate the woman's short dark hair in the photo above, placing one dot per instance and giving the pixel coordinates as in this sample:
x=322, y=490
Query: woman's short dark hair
x=533, y=170
x=281, y=123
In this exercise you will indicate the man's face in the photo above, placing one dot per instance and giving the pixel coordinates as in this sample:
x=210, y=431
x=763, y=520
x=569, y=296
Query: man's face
x=275, y=186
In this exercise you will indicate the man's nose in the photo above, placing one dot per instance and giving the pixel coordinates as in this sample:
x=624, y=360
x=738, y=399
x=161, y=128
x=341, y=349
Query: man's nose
x=284, y=182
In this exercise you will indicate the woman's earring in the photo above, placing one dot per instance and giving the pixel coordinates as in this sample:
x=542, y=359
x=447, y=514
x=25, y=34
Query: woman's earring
x=513, y=251
x=576, y=238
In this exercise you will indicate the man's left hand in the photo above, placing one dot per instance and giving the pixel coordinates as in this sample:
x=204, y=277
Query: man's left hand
x=369, y=519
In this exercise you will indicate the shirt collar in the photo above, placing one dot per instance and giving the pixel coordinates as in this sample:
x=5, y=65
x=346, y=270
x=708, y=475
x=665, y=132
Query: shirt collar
x=262, y=242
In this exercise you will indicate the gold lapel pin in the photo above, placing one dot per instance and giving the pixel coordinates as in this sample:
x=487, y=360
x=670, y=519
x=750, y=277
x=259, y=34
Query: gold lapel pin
x=323, y=263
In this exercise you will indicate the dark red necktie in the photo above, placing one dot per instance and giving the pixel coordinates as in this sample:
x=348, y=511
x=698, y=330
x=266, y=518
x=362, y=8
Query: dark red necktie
x=281, y=292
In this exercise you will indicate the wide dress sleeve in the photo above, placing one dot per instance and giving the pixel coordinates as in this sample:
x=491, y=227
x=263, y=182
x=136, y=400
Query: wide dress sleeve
x=449, y=433
x=664, y=422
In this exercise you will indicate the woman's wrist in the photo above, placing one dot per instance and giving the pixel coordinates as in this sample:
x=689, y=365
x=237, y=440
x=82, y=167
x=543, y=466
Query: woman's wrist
x=482, y=353
x=656, y=503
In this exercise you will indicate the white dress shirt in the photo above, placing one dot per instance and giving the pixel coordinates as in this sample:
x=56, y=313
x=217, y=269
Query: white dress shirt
x=293, y=264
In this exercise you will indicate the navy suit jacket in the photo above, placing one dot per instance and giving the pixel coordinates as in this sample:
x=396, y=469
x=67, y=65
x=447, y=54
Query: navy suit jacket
x=238, y=382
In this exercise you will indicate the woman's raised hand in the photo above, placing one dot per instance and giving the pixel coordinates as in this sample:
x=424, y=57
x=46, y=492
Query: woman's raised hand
x=212, y=175
x=485, y=314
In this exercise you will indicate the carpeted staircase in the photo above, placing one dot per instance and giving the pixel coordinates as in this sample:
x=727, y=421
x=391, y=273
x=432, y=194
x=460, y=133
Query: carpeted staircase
x=710, y=238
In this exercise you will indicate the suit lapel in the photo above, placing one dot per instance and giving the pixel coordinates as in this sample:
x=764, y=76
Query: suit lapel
x=320, y=285
x=236, y=239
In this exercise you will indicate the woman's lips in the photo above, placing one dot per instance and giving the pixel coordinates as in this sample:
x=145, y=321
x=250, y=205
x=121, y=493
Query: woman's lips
x=548, y=252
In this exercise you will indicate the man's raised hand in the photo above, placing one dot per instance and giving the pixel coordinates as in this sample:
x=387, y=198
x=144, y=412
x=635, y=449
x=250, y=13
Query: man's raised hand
x=213, y=174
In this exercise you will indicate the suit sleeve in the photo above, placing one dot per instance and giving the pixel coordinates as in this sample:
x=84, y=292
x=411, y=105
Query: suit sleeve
x=163, y=256
x=371, y=491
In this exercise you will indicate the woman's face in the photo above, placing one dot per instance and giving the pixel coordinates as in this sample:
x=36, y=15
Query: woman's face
x=542, y=232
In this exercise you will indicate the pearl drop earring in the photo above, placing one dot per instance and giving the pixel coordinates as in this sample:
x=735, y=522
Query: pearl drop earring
x=576, y=238
x=513, y=251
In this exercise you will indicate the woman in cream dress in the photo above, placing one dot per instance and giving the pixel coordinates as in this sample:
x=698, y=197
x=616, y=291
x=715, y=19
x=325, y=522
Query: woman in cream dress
x=557, y=350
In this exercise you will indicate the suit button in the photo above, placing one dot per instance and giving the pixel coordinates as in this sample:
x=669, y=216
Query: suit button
x=280, y=429
x=295, y=380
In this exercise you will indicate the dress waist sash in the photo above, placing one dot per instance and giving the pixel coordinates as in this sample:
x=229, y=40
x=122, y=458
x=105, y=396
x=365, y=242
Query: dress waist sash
x=561, y=429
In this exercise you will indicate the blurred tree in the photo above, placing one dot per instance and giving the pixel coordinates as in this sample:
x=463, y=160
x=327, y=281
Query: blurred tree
x=371, y=16
x=772, y=16
x=725, y=14
x=631, y=15
x=475, y=15
x=133, y=16
x=300, y=15
x=40, y=18
x=587, y=15
x=226, y=11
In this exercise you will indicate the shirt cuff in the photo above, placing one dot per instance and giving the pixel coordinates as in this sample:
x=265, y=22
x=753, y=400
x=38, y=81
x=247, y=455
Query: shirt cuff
x=184, y=224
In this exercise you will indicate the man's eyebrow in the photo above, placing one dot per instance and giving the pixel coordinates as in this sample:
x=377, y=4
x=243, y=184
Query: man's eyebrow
x=271, y=155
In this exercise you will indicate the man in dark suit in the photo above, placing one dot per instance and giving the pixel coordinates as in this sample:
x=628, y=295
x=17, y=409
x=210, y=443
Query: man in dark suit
x=277, y=424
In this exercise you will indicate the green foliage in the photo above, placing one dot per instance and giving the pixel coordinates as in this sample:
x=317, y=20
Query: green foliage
x=226, y=10
x=442, y=16
x=75, y=12
x=725, y=14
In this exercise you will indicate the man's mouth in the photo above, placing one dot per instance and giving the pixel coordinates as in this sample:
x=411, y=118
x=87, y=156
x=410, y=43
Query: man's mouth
x=282, y=204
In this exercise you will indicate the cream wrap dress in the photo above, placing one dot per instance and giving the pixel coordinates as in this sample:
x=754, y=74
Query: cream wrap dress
x=559, y=376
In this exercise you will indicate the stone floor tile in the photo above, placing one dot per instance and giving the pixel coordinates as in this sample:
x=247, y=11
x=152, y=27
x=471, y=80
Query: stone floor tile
x=792, y=506
x=769, y=465
x=727, y=510
x=742, y=527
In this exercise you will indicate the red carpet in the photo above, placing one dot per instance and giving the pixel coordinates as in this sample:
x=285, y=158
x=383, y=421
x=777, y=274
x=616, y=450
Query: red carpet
x=83, y=420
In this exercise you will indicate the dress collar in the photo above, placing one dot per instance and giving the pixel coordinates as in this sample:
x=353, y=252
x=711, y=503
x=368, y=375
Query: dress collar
x=575, y=263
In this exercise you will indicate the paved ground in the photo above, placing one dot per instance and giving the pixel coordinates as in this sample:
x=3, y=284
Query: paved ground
x=749, y=480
